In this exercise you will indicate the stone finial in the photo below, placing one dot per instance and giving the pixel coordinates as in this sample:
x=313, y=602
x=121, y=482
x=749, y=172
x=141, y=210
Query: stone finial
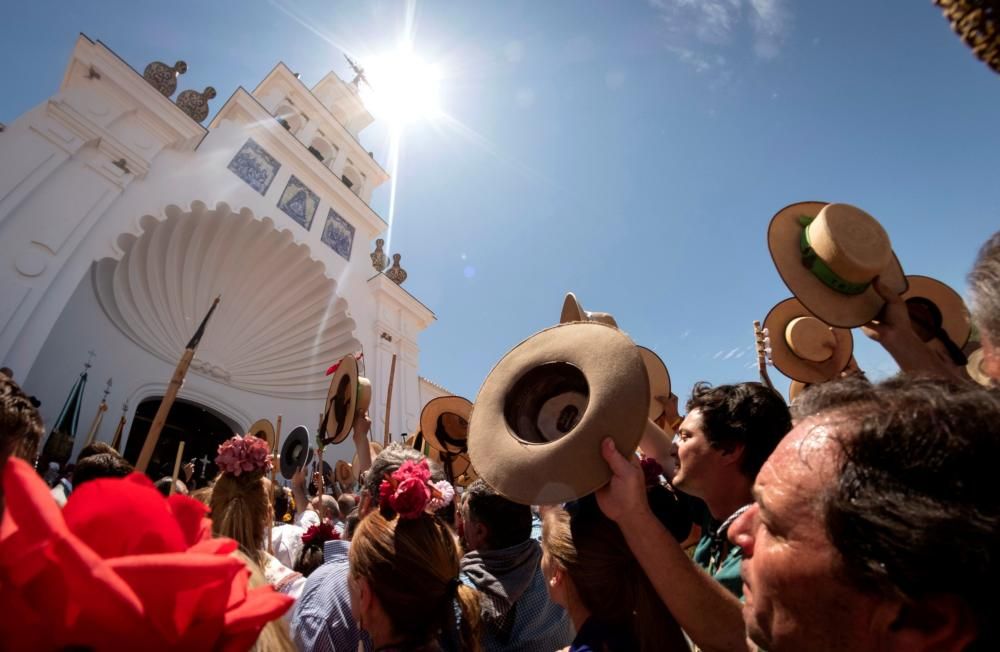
x=195, y=104
x=379, y=260
x=163, y=77
x=396, y=273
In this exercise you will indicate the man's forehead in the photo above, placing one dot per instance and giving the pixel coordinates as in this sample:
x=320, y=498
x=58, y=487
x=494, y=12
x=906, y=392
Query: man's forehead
x=804, y=461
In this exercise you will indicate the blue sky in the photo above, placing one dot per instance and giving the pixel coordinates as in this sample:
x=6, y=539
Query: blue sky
x=632, y=152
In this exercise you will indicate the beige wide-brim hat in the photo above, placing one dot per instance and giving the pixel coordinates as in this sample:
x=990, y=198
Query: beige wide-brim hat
x=845, y=245
x=263, y=429
x=976, y=370
x=542, y=412
x=374, y=448
x=572, y=311
x=344, y=473
x=803, y=347
x=444, y=422
x=341, y=401
x=955, y=318
x=659, y=382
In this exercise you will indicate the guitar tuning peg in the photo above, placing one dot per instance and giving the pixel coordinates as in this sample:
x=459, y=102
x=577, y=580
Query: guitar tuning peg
x=764, y=331
x=767, y=342
x=767, y=350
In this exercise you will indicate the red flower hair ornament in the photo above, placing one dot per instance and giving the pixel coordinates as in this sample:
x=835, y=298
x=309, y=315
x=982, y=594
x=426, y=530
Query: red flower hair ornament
x=121, y=568
x=319, y=534
x=238, y=455
x=408, y=492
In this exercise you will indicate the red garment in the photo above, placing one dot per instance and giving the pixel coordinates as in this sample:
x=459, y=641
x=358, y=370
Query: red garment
x=121, y=568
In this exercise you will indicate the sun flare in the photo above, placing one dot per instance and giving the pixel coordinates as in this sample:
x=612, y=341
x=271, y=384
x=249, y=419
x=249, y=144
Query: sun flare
x=403, y=88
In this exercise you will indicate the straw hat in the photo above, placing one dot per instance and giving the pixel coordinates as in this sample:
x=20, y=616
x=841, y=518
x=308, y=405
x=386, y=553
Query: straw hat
x=953, y=317
x=976, y=370
x=572, y=311
x=803, y=347
x=349, y=394
x=295, y=452
x=262, y=429
x=828, y=255
x=344, y=473
x=444, y=422
x=541, y=414
x=659, y=382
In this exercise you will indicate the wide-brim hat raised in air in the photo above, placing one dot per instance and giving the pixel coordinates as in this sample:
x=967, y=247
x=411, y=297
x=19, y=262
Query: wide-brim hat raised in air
x=828, y=255
x=803, y=347
x=444, y=423
x=543, y=411
x=954, y=316
x=296, y=452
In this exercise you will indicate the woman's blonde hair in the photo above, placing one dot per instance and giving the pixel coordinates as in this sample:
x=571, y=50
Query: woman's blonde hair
x=412, y=566
x=241, y=511
x=606, y=577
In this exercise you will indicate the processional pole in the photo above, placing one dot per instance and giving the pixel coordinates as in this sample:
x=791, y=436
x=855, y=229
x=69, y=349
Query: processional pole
x=168, y=398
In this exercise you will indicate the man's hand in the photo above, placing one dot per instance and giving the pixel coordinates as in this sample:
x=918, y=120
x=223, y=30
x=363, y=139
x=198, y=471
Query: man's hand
x=299, y=479
x=624, y=497
x=318, y=482
x=188, y=472
x=893, y=325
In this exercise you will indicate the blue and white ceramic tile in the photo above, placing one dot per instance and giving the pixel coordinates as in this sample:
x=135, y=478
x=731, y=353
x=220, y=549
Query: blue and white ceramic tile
x=255, y=166
x=338, y=234
x=299, y=202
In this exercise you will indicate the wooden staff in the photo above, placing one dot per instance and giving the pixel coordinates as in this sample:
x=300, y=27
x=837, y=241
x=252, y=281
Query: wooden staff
x=96, y=424
x=116, y=440
x=167, y=402
x=388, y=401
x=177, y=467
x=275, y=457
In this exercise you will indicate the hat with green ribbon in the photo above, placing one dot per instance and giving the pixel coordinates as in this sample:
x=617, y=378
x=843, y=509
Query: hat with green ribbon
x=828, y=255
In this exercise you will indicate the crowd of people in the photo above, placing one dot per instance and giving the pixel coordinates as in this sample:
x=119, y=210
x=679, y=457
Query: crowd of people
x=862, y=516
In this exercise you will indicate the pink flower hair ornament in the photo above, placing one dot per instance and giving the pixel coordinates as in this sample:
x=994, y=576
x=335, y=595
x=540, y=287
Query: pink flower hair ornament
x=238, y=455
x=408, y=492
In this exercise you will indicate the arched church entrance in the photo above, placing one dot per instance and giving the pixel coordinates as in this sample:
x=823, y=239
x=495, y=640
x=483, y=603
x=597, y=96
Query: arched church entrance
x=200, y=428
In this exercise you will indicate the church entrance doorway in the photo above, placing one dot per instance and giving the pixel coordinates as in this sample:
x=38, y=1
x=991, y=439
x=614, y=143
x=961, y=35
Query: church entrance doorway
x=201, y=430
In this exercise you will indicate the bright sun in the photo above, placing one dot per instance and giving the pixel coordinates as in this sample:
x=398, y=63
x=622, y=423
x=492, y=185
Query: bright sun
x=404, y=88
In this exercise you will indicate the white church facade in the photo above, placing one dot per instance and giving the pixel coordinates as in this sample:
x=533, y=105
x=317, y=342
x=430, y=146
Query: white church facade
x=122, y=217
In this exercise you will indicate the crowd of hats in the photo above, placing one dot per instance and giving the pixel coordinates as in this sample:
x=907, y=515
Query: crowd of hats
x=535, y=429
x=829, y=256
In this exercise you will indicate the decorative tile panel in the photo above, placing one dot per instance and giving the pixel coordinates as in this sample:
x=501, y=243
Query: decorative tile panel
x=255, y=166
x=338, y=234
x=299, y=202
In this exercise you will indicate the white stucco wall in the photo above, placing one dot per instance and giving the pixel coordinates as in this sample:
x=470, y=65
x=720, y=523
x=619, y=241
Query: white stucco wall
x=65, y=204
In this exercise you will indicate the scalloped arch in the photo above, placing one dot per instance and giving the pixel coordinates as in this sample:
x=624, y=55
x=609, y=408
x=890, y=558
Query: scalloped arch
x=280, y=322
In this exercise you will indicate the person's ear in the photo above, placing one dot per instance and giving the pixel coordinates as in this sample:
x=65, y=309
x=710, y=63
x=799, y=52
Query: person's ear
x=943, y=623
x=733, y=454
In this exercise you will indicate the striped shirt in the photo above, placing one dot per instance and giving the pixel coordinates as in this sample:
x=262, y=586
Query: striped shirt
x=321, y=620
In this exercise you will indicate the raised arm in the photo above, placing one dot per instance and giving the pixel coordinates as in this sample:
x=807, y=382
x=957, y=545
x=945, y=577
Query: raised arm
x=704, y=609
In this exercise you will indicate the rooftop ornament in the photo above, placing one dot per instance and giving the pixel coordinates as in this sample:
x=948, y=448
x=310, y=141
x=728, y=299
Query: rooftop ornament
x=163, y=77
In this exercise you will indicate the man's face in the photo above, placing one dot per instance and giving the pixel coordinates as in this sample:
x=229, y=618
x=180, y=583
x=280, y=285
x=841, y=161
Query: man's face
x=471, y=531
x=794, y=597
x=697, y=461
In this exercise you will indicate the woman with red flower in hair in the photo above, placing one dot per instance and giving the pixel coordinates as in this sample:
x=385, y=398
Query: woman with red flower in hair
x=242, y=509
x=404, y=566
